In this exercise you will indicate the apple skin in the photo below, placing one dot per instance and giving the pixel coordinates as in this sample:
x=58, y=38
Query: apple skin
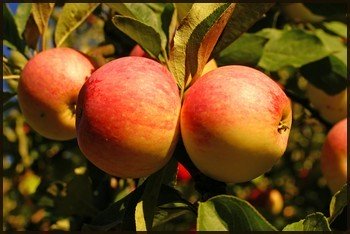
x=231, y=123
x=182, y=173
x=139, y=52
x=48, y=90
x=334, y=156
x=128, y=117
x=331, y=108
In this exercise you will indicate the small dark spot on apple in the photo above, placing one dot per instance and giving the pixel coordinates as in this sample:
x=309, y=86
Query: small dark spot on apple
x=42, y=115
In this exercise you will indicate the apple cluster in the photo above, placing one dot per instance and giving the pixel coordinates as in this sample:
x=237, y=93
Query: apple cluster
x=128, y=114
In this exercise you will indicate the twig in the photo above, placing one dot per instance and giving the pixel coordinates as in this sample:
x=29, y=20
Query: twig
x=306, y=104
x=8, y=77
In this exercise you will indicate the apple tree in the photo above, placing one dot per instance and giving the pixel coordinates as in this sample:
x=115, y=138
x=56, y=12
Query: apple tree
x=174, y=116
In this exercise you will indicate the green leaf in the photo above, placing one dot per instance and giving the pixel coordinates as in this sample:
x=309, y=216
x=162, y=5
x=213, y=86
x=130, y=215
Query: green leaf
x=41, y=13
x=270, y=33
x=243, y=17
x=328, y=74
x=153, y=186
x=169, y=23
x=146, y=36
x=72, y=15
x=246, y=50
x=229, y=213
x=196, y=38
x=139, y=217
x=6, y=96
x=312, y=222
x=10, y=27
x=78, y=200
x=293, y=48
x=22, y=15
x=332, y=43
x=337, y=28
x=338, y=203
x=17, y=59
x=182, y=10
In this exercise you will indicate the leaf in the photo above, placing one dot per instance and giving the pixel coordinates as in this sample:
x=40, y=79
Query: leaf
x=72, y=15
x=31, y=33
x=41, y=13
x=182, y=10
x=195, y=39
x=312, y=222
x=169, y=23
x=78, y=199
x=270, y=33
x=328, y=74
x=229, y=213
x=337, y=28
x=246, y=50
x=10, y=27
x=332, y=43
x=243, y=17
x=153, y=186
x=294, y=48
x=338, y=203
x=139, y=218
x=144, y=35
x=22, y=15
x=6, y=96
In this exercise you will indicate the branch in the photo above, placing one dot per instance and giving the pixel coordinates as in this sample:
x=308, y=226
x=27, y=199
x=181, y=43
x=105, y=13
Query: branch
x=306, y=104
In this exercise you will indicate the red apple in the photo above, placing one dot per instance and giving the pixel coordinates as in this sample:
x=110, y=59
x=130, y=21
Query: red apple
x=235, y=123
x=334, y=156
x=48, y=91
x=182, y=173
x=128, y=117
x=139, y=52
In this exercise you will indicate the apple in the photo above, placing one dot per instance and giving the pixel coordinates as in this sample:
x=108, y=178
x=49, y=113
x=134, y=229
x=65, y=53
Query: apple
x=334, y=156
x=332, y=108
x=48, y=90
x=211, y=65
x=269, y=199
x=139, y=52
x=235, y=123
x=128, y=117
x=182, y=173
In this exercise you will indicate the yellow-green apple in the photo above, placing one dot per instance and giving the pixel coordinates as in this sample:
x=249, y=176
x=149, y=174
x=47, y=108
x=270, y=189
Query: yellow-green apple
x=128, y=117
x=334, y=156
x=48, y=90
x=332, y=108
x=235, y=123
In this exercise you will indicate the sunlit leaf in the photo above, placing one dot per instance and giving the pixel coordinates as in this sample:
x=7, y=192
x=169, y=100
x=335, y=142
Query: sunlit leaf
x=72, y=15
x=312, y=222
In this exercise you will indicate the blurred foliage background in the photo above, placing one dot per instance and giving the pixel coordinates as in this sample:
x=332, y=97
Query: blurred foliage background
x=50, y=185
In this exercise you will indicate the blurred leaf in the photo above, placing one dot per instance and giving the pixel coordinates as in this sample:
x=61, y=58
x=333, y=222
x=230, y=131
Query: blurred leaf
x=270, y=33
x=139, y=218
x=22, y=15
x=78, y=200
x=299, y=13
x=337, y=28
x=328, y=74
x=72, y=15
x=243, y=17
x=6, y=96
x=295, y=48
x=5, y=69
x=182, y=10
x=28, y=183
x=17, y=59
x=31, y=33
x=146, y=36
x=338, y=203
x=229, y=213
x=41, y=13
x=10, y=27
x=196, y=38
x=312, y=222
x=23, y=147
x=246, y=50
x=331, y=43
